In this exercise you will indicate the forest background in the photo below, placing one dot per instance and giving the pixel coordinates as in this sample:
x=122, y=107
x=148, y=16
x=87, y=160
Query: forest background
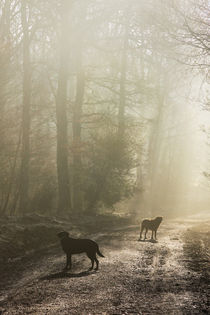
x=102, y=102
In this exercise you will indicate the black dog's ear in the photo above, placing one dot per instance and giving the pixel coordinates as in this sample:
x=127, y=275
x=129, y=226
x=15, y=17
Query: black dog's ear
x=63, y=234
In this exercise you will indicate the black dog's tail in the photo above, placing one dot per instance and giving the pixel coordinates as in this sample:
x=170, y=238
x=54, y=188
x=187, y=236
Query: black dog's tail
x=99, y=253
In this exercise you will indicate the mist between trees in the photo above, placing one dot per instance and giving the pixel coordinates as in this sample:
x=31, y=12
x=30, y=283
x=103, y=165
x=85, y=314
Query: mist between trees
x=102, y=101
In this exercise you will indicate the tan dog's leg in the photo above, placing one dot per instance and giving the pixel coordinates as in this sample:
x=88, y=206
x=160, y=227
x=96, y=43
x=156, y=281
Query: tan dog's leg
x=145, y=235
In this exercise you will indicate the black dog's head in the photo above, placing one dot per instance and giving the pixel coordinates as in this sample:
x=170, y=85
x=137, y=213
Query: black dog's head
x=63, y=234
x=159, y=219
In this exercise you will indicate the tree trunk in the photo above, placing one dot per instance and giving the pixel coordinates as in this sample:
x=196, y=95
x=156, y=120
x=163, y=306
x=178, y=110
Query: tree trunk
x=155, y=151
x=77, y=162
x=11, y=181
x=26, y=121
x=122, y=101
x=64, y=199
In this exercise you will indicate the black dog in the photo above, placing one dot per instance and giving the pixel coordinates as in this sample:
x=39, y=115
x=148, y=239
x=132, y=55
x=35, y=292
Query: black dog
x=76, y=246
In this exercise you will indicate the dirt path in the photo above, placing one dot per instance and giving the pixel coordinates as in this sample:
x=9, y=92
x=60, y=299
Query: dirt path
x=134, y=278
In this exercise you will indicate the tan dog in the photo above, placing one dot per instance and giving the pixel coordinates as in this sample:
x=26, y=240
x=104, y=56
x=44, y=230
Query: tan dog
x=150, y=225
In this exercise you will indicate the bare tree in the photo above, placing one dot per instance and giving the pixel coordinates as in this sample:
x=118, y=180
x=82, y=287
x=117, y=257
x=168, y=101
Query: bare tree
x=123, y=70
x=26, y=110
x=77, y=141
x=64, y=204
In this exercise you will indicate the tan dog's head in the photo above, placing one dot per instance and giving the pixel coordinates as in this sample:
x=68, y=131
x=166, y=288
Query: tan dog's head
x=63, y=234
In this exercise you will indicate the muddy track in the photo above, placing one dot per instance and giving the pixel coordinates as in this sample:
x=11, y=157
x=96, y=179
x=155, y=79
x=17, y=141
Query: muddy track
x=134, y=278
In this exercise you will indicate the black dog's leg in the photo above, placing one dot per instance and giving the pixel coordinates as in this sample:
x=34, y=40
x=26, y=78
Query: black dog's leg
x=91, y=256
x=155, y=234
x=68, y=262
x=97, y=262
x=152, y=235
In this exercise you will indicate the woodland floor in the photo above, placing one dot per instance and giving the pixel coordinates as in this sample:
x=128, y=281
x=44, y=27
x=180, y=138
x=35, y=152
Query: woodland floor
x=167, y=277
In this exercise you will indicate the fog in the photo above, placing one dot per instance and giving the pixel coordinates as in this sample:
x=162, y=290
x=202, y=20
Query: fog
x=179, y=184
x=104, y=104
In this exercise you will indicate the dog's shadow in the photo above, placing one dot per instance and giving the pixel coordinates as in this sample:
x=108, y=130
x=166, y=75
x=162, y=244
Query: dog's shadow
x=148, y=241
x=65, y=274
